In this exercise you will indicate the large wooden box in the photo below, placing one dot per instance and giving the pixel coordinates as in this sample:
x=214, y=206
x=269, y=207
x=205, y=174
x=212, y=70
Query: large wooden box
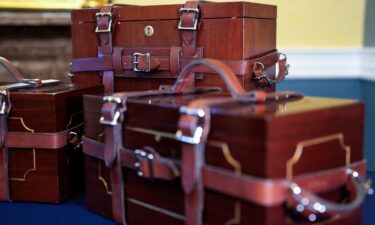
x=235, y=32
x=258, y=140
x=42, y=174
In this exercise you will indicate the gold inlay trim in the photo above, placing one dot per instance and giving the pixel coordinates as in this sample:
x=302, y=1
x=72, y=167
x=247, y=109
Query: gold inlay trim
x=23, y=123
x=316, y=141
x=27, y=128
x=104, y=182
x=227, y=154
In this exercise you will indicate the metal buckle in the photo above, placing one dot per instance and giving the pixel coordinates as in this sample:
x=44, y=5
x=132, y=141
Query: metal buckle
x=135, y=62
x=196, y=139
x=194, y=27
x=144, y=155
x=75, y=140
x=3, y=102
x=104, y=14
x=114, y=121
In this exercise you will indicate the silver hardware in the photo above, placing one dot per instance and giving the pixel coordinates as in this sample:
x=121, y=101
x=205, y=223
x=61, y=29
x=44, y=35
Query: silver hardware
x=300, y=208
x=144, y=154
x=112, y=99
x=104, y=14
x=196, y=139
x=4, y=94
x=149, y=30
x=135, y=62
x=312, y=217
x=140, y=173
x=75, y=140
x=112, y=122
x=295, y=189
x=192, y=112
x=195, y=25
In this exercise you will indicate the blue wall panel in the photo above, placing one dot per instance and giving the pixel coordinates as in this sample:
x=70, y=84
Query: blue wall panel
x=368, y=93
x=343, y=88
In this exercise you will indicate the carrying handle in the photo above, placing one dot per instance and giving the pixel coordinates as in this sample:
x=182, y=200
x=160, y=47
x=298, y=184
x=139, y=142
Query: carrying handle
x=16, y=75
x=11, y=69
x=187, y=76
x=311, y=207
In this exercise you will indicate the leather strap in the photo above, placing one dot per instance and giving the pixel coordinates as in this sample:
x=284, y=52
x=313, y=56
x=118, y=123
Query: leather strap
x=104, y=27
x=263, y=80
x=39, y=140
x=4, y=170
x=188, y=26
x=264, y=192
x=166, y=59
x=162, y=168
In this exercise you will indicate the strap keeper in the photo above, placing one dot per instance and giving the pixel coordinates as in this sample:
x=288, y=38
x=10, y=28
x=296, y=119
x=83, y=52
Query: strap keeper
x=114, y=121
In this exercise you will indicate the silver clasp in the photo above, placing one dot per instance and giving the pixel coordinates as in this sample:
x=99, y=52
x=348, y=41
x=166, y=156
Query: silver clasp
x=4, y=94
x=195, y=22
x=117, y=115
x=196, y=138
x=104, y=14
x=135, y=62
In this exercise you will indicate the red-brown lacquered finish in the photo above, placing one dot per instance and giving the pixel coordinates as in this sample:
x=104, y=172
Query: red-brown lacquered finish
x=226, y=31
x=252, y=139
x=46, y=175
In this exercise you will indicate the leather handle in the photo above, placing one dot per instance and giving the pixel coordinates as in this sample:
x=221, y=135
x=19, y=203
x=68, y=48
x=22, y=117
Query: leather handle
x=11, y=69
x=186, y=78
x=312, y=207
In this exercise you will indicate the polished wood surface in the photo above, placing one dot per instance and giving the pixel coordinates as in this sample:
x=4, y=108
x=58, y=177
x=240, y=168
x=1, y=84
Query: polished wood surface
x=229, y=31
x=46, y=175
x=260, y=138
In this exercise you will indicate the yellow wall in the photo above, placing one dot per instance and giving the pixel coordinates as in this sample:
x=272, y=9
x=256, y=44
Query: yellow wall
x=308, y=23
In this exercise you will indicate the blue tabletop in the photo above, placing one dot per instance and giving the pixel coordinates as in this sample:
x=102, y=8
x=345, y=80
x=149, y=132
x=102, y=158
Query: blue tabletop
x=74, y=212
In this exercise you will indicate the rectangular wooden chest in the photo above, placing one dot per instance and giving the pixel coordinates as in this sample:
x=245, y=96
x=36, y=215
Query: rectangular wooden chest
x=260, y=144
x=43, y=165
x=144, y=47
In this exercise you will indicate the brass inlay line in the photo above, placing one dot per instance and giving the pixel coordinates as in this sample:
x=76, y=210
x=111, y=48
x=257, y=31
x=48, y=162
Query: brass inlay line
x=237, y=214
x=221, y=145
x=23, y=178
x=316, y=141
x=227, y=154
x=105, y=184
x=157, y=209
x=23, y=123
x=27, y=128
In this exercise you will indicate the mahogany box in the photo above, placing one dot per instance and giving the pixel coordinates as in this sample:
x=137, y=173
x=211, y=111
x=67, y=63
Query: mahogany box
x=250, y=149
x=132, y=48
x=40, y=162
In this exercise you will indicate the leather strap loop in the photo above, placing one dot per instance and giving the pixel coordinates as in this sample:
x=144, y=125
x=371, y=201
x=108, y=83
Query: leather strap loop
x=104, y=29
x=188, y=26
x=4, y=166
x=165, y=59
